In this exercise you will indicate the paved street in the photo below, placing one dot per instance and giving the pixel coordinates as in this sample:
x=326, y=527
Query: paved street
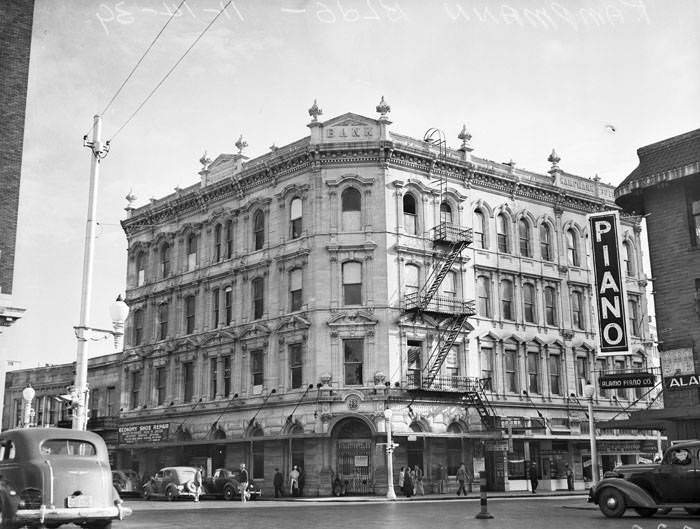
x=530, y=513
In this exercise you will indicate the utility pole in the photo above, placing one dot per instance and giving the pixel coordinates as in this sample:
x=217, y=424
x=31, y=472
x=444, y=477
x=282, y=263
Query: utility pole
x=82, y=331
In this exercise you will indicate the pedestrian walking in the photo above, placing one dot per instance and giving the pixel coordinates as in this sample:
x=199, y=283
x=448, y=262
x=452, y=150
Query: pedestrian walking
x=294, y=481
x=418, y=485
x=302, y=480
x=407, y=483
x=412, y=473
x=442, y=483
x=278, y=482
x=401, y=478
x=569, y=477
x=462, y=479
x=243, y=483
x=534, y=481
x=198, y=483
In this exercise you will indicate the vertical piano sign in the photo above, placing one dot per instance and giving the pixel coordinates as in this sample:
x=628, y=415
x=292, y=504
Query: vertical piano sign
x=609, y=287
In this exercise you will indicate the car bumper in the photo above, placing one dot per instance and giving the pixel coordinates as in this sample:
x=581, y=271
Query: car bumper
x=63, y=514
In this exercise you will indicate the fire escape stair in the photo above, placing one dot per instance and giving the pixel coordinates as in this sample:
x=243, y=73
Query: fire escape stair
x=476, y=398
x=443, y=348
x=454, y=252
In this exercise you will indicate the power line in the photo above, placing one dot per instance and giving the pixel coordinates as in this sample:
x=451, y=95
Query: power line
x=138, y=63
x=148, y=97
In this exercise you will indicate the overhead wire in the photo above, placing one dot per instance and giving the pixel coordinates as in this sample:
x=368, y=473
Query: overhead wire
x=138, y=63
x=170, y=71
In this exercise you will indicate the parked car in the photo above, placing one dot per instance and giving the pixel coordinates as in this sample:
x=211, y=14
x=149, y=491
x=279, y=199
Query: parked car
x=224, y=483
x=648, y=488
x=171, y=483
x=126, y=482
x=55, y=476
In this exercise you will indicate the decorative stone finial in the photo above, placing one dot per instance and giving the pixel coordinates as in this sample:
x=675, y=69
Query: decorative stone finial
x=554, y=159
x=314, y=112
x=596, y=178
x=241, y=144
x=273, y=147
x=464, y=135
x=205, y=161
x=383, y=108
x=130, y=198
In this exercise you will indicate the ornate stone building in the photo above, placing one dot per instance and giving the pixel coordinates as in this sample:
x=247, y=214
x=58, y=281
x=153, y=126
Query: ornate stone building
x=281, y=303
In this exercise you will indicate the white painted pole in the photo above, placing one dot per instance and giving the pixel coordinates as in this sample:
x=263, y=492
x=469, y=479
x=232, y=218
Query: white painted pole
x=390, y=492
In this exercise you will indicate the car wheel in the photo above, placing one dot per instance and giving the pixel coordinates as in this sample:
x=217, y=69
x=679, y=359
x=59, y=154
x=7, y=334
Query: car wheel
x=147, y=493
x=645, y=512
x=229, y=493
x=692, y=510
x=611, y=502
x=170, y=494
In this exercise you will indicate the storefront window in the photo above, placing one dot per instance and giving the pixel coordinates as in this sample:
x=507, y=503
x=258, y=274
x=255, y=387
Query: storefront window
x=516, y=461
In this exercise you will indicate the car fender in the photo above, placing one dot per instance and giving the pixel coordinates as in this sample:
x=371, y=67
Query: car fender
x=9, y=500
x=635, y=496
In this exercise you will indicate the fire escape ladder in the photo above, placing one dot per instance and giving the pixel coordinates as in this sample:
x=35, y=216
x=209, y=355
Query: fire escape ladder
x=476, y=398
x=443, y=348
x=454, y=252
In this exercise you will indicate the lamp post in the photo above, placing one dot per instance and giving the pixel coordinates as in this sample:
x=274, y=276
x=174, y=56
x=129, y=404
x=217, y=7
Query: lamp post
x=27, y=395
x=390, y=492
x=118, y=311
x=588, y=392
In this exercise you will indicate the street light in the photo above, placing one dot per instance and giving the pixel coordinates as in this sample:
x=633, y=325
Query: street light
x=28, y=395
x=588, y=392
x=118, y=311
x=390, y=493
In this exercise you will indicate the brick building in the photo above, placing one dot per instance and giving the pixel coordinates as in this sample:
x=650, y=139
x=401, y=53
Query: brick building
x=281, y=303
x=665, y=187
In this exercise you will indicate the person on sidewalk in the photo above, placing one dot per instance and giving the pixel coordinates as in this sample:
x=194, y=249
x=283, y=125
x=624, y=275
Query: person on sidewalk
x=418, y=486
x=401, y=472
x=407, y=483
x=534, y=480
x=442, y=475
x=278, y=482
x=294, y=482
x=462, y=479
x=569, y=478
x=198, y=483
x=243, y=483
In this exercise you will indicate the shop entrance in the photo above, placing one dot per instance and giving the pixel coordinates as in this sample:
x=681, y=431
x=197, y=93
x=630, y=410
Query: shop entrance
x=353, y=456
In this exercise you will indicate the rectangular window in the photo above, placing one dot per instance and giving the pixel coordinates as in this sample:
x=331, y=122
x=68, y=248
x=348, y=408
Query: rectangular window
x=53, y=411
x=189, y=314
x=295, y=290
x=450, y=368
x=533, y=372
x=213, y=376
x=295, y=365
x=112, y=403
x=135, y=389
x=18, y=413
x=215, y=308
x=555, y=374
x=161, y=385
x=229, y=239
x=549, y=307
x=507, y=299
x=483, y=292
x=258, y=298
x=138, y=327
x=217, y=243
x=581, y=373
x=353, y=359
x=228, y=304
x=529, y=302
x=487, y=367
x=227, y=376
x=188, y=381
x=352, y=283
x=162, y=321
x=695, y=222
x=256, y=368
x=577, y=313
x=511, y=371
x=414, y=353
x=633, y=315
x=295, y=217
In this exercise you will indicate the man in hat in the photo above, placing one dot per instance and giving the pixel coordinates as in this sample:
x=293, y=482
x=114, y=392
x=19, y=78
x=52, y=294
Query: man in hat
x=243, y=481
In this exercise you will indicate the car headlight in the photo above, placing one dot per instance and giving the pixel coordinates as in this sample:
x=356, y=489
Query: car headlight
x=180, y=488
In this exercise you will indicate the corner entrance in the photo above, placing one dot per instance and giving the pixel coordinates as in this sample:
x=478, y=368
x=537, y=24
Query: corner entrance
x=353, y=448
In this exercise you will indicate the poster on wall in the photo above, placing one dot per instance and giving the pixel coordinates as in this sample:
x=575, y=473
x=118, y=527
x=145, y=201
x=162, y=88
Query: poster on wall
x=609, y=292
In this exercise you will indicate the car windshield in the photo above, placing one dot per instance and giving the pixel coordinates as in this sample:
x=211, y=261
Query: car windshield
x=185, y=474
x=68, y=447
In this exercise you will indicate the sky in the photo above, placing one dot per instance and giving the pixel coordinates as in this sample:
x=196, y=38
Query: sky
x=525, y=76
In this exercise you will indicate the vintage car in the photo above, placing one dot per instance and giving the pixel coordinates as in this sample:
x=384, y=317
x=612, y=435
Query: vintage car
x=55, y=476
x=171, y=483
x=224, y=484
x=126, y=482
x=650, y=488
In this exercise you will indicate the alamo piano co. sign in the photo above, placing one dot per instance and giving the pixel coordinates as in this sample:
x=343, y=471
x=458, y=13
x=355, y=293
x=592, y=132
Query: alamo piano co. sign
x=627, y=380
x=144, y=433
x=679, y=382
x=609, y=294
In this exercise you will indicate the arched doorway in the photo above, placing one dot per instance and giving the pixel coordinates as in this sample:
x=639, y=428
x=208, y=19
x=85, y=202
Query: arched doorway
x=415, y=447
x=353, y=448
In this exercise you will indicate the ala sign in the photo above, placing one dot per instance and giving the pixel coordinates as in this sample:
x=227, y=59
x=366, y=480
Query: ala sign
x=609, y=294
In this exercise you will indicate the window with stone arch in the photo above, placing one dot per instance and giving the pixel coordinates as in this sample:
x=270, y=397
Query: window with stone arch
x=479, y=229
x=351, y=207
x=546, y=242
x=295, y=217
x=529, y=303
x=507, y=299
x=502, y=233
x=446, y=213
x=411, y=278
x=628, y=258
x=140, y=268
x=410, y=216
x=524, y=237
x=577, y=310
x=259, y=230
x=483, y=293
x=572, y=256
x=164, y=257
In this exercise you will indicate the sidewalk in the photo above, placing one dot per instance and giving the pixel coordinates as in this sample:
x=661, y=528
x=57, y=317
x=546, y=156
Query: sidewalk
x=583, y=494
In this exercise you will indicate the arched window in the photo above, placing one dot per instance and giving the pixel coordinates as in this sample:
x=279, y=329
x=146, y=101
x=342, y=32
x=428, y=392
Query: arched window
x=259, y=229
x=165, y=260
x=229, y=239
x=352, y=283
x=572, y=248
x=411, y=278
x=258, y=290
x=295, y=215
x=140, y=268
x=445, y=213
x=502, y=233
x=507, y=299
x=545, y=242
x=351, y=205
x=191, y=251
x=479, y=229
x=217, y=243
x=550, y=309
x=576, y=310
x=529, y=302
x=162, y=321
x=138, y=327
x=483, y=293
x=524, y=236
x=627, y=258
x=410, y=222
x=295, y=290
